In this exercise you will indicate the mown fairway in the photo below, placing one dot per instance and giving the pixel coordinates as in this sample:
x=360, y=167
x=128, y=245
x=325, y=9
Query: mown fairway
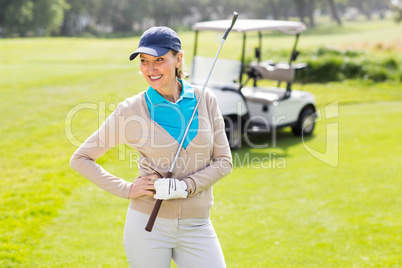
x=281, y=206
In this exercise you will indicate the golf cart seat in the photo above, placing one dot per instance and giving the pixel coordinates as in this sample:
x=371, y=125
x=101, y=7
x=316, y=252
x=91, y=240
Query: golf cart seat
x=225, y=75
x=263, y=95
x=279, y=72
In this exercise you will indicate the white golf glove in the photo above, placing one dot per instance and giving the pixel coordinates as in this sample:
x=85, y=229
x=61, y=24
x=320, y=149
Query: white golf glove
x=170, y=188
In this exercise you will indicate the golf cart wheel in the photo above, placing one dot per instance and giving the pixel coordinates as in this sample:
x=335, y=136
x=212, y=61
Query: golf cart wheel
x=306, y=122
x=233, y=133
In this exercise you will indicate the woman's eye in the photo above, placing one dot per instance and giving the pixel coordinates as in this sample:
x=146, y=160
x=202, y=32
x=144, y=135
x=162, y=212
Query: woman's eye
x=159, y=59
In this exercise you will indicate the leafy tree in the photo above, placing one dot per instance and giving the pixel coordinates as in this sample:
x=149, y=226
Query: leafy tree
x=306, y=8
x=310, y=12
x=17, y=16
x=334, y=12
x=397, y=7
x=44, y=17
x=39, y=17
x=300, y=8
x=279, y=9
x=77, y=16
x=368, y=7
x=48, y=16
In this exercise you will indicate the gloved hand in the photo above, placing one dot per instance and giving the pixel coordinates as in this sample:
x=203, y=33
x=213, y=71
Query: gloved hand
x=170, y=188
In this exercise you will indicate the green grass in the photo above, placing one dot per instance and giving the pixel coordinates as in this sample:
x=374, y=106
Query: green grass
x=310, y=214
x=307, y=214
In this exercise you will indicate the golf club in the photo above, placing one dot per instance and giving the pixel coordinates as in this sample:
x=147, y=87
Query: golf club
x=158, y=203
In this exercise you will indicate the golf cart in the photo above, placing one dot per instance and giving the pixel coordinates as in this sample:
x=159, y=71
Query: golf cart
x=255, y=109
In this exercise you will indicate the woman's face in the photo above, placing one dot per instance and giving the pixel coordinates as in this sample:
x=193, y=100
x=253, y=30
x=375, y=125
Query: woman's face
x=160, y=72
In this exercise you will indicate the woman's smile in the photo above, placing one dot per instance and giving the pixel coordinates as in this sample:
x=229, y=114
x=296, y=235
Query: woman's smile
x=160, y=72
x=155, y=77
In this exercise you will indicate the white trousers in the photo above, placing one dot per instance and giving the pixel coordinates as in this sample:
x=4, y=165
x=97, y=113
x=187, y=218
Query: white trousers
x=191, y=243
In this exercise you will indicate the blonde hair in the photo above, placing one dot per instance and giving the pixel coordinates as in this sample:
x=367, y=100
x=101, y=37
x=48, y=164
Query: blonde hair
x=180, y=72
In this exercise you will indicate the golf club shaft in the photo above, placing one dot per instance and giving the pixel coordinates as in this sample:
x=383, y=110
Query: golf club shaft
x=158, y=203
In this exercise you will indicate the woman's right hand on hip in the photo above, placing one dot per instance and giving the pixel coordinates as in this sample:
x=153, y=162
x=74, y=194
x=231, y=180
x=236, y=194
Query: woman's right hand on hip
x=143, y=186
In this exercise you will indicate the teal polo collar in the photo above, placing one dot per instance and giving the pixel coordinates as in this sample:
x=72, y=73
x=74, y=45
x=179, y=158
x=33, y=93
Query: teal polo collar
x=186, y=92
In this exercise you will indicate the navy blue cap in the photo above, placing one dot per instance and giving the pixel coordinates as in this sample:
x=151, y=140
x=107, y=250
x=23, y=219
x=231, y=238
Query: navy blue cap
x=157, y=41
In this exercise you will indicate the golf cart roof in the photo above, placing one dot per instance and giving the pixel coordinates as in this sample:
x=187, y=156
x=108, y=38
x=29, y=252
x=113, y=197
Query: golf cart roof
x=247, y=25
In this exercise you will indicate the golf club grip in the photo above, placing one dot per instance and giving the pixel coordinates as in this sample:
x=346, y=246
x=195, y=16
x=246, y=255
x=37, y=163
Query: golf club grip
x=155, y=210
x=153, y=216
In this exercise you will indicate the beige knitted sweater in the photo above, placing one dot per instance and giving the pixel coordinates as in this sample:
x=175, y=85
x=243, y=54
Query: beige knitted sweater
x=205, y=161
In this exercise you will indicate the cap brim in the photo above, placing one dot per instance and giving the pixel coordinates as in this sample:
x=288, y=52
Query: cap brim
x=153, y=51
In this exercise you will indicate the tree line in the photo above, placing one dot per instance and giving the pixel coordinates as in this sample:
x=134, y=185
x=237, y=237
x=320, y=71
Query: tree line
x=76, y=17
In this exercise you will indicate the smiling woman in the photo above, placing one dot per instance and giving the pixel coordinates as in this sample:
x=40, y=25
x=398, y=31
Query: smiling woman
x=154, y=122
x=160, y=73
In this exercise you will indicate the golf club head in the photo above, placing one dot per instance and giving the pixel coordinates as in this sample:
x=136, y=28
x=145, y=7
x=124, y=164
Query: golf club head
x=235, y=15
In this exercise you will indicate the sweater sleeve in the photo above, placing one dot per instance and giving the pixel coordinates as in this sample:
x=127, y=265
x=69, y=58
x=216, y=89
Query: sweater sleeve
x=83, y=160
x=221, y=160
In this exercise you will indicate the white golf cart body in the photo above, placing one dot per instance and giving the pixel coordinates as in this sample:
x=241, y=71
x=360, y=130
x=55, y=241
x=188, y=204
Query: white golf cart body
x=255, y=109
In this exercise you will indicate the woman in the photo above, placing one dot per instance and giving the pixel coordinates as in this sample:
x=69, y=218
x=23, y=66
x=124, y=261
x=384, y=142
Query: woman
x=153, y=122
